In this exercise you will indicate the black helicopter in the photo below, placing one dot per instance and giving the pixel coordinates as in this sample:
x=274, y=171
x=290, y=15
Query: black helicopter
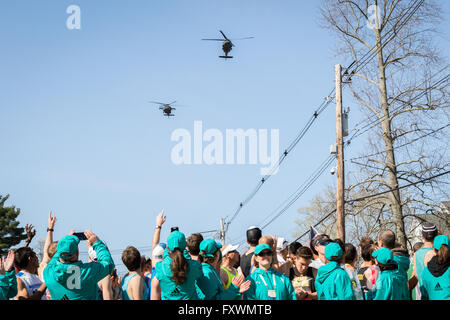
x=227, y=45
x=166, y=108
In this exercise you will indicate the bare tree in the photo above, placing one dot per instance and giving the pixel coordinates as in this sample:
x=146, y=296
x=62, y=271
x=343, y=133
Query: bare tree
x=395, y=79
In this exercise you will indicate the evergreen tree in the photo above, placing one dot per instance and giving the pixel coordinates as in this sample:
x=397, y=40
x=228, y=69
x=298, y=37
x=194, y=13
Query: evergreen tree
x=10, y=233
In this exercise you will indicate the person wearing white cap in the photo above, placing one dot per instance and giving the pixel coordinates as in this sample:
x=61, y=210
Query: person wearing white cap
x=282, y=250
x=422, y=256
x=230, y=257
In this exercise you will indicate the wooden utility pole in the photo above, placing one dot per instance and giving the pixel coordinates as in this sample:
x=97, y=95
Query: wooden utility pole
x=222, y=232
x=340, y=214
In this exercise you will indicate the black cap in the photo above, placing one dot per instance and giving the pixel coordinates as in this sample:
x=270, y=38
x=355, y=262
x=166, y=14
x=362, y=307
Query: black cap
x=253, y=234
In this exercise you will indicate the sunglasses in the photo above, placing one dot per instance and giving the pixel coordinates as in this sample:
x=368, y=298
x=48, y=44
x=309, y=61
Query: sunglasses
x=265, y=254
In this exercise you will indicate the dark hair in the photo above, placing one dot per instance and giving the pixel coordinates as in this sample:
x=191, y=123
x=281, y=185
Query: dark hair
x=387, y=238
x=341, y=244
x=193, y=243
x=304, y=252
x=430, y=235
x=131, y=258
x=253, y=236
x=417, y=246
x=208, y=260
x=442, y=255
x=366, y=252
x=22, y=257
x=146, y=264
x=294, y=246
x=178, y=266
x=365, y=241
x=350, y=253
x=384, y=267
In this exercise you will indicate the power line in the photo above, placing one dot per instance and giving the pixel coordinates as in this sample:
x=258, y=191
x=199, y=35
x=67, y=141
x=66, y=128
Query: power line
x=400, y=146
x=302, y=189
x=364, y=60
x=376, y=121
x=398, y=188
x=320, y=221
x=292, y=145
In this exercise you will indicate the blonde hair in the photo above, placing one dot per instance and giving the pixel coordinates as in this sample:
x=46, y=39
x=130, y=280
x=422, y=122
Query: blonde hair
x=266, y=240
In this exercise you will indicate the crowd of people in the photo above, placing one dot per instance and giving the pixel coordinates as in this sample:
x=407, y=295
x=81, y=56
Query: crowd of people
x=195, y=268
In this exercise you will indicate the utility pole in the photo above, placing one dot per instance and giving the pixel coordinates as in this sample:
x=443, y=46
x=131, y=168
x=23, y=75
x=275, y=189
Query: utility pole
x=340, y=214
x=222, y=232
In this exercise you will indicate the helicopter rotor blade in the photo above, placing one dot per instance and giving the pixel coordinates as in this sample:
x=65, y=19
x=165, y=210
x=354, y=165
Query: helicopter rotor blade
x=214, y=39
x=157, y=102
x=171, y=103
x=243, y=38
x=224, y=35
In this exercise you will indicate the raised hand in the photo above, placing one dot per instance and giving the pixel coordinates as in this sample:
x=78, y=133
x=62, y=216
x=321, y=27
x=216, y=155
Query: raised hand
x=31, y=232
x=160, y=218
x=91, y=237
x=51, y=220
x=9, y=263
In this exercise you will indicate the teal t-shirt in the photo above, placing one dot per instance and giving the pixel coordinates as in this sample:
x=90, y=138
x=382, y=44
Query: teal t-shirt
x=169, y=289
x=126, y=281
x=419, y=256
x=435, y=288
x=211, y=285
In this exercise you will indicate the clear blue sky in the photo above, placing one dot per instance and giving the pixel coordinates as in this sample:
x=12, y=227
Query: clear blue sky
x=79, y=138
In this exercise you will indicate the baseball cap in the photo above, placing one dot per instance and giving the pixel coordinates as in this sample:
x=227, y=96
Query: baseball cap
x=439, y=241
x=67, y=246
x=176, y=240
x=384, y=256
x=158, y=251
x=333, y=251
x=262, y=247
x=208, y=247
x=229, y=248
x=282, y=244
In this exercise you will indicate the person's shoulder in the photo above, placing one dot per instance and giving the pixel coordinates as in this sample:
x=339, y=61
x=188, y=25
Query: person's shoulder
x=135, y=280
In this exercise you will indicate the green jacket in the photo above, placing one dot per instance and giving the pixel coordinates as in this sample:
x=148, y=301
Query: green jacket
x=333, y=283
x=211, y=285
x=78, y=280
x=8, y=285
x=436, y=281
x=170, y=290
x=389, y=286
x=259, y=289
